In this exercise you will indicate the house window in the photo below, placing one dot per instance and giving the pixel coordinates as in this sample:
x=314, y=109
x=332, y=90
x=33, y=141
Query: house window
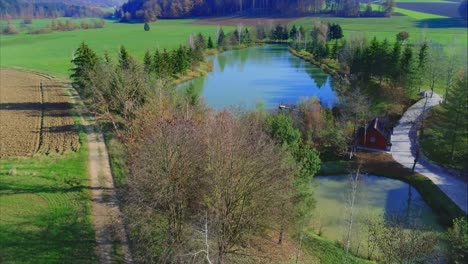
x=372, y=139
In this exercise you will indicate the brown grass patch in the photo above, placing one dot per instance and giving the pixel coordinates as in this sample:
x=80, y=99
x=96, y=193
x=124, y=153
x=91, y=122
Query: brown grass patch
x=246, y=21
x=34, y=120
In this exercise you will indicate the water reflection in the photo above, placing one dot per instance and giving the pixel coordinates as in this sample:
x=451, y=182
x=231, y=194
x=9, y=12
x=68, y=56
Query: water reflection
x=268, y=73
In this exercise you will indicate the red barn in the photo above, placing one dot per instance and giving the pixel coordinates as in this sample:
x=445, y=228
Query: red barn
x=374, y=137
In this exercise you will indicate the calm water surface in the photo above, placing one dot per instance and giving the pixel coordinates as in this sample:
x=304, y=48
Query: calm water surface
x=268, y=74
x=376, y=197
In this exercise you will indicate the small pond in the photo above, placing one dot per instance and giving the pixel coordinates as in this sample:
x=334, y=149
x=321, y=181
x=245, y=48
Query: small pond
x=267, y=74
x=375, y=197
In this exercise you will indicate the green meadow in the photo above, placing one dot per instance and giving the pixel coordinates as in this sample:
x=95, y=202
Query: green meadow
x=440, y=30
x=52, y=52
x=45, y=210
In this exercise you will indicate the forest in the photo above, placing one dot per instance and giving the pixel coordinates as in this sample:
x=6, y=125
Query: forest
x=19, y=9
x=150, y=10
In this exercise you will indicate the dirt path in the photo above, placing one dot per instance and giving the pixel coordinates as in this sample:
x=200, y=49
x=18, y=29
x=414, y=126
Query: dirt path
x=111, y=240
x=404, y=148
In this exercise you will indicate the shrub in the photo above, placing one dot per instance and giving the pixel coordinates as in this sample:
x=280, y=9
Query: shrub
x=10, y=29
x=147, y=27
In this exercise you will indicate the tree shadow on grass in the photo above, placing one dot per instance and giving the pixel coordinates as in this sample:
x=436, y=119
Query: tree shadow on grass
x=442, y=23
x=52, y=237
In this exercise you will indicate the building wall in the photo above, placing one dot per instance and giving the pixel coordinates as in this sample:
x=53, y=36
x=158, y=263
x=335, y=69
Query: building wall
x=374, y=140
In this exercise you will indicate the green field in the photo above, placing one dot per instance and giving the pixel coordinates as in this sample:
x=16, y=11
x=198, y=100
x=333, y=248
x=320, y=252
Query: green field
x=52, y=52
x=388, y=28
x=45, y=214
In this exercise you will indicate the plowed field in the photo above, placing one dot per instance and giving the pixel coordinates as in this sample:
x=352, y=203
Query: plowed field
x=34, y=120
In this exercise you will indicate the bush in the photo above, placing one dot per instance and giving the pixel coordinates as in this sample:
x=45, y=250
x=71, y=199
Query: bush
x=458, y=240
x=10, y=29
x=27, y=21
x=147, y=27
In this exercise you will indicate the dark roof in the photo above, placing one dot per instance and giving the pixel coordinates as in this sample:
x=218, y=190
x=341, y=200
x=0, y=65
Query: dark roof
x=379, y=126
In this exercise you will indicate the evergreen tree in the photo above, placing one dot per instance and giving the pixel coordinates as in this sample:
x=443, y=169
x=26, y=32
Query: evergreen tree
x=84, y=61
x=157, y=63
x=210, y=43
x=124, y=58
x=455, y=125
x=293, y=32
x=406, y=70
x=146, y=27
x=147, y=61
x=394, y=61
x=422, y=57
x=221, y=38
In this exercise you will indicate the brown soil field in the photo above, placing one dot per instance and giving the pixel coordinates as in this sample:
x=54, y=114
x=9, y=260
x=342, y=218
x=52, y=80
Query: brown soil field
x=246, y=21
x=34, y=120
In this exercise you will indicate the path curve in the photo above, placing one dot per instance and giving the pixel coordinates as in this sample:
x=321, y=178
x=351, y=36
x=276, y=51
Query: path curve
x=111, y=238
x=404, y=147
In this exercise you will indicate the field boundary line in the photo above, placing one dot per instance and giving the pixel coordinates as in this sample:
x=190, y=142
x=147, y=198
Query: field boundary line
x=41, y=123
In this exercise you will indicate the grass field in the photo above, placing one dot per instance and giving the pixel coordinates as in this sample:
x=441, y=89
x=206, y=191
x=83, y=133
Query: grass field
x=45, y=214
x=52, y=52
x=389, y=27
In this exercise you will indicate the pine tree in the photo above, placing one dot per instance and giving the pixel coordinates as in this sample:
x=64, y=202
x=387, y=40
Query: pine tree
x=147, y=27
x=147, y=60
x=157, y=63
x=124, y=58
x=210, y=43
x=221, y=38
x=394, y=61
x=293, y=32
x=84, y=60
x=455, y=124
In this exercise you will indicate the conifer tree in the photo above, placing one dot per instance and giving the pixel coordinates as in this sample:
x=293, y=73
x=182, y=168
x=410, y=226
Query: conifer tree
x=221, y=38
x=124, y=58
x=210, y=43
x=147, y=60
x=84, y=60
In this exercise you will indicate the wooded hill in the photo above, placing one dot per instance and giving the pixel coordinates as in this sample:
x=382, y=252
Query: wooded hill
x=51, y=9
x=149, y=10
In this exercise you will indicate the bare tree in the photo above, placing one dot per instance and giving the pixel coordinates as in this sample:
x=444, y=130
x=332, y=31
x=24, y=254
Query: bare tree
x=246, y=172
x=350, y=212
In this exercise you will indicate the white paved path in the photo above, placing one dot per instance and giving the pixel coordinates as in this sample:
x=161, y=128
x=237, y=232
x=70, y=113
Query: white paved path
x=404, y=147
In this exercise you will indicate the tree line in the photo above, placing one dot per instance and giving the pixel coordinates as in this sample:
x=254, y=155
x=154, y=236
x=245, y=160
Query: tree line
x=150, y=10
x=17, y=9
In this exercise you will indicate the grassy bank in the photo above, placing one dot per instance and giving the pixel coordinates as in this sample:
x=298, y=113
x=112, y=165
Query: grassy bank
x=327, y=251
x=45, y=209
x=382, y=164
x=434, y=29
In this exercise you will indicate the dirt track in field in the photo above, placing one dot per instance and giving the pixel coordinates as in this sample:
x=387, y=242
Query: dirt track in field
x=246, y=21
x=34, y=118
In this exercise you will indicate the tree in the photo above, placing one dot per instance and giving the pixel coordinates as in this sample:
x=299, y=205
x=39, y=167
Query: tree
x=388, y=7
x=455, y=125
x=210, y=43
x=221, y=38
x=402, y=242
x=433, y=70
x=147, y=61
x=147, y=27
x=293, y=32
x=84, y=61
x=124, y=58
x=458, y=240
x=402, y=36
x=246, y=174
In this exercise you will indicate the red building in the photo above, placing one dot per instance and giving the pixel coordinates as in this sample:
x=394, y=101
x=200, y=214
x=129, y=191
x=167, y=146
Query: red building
x=376, y=136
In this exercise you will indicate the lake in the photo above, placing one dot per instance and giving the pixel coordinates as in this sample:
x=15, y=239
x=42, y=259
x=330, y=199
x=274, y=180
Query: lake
x=267, y=74
x=376, y=197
